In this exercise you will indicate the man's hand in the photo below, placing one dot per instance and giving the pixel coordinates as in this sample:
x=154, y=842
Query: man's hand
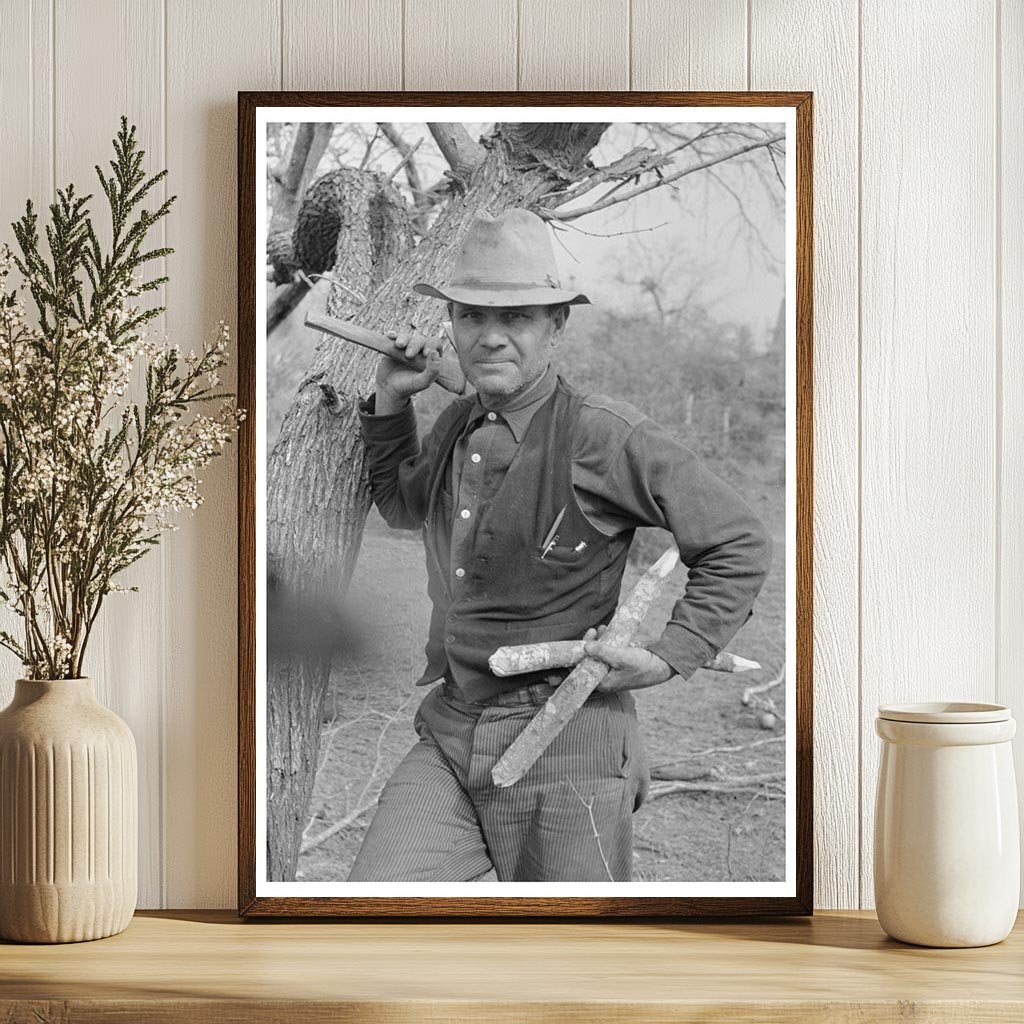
x=632, y=668
x=396, y=382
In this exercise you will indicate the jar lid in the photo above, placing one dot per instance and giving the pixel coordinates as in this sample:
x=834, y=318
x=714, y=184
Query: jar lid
x=945, y=712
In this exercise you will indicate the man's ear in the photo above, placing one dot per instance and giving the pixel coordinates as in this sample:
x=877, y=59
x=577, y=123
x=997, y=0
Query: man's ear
x=559, y=316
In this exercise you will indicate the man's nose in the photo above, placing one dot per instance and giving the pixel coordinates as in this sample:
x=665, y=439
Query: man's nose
x=492, y=336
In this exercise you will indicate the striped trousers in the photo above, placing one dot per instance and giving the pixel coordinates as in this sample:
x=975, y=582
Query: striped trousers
x=440, y=817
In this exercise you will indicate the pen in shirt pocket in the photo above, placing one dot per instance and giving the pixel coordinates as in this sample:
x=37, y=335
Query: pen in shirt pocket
x=552, y=535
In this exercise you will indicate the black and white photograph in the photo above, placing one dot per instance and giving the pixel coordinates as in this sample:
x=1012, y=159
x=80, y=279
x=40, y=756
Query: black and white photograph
x=525, y=503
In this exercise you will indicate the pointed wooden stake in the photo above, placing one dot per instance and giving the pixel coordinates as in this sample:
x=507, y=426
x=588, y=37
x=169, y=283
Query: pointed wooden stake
x=582, y=681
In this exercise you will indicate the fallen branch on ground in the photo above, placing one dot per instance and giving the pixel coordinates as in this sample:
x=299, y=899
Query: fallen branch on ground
x=722, y=750
x=750, y=691
x=737, y=785
x=365, y=801
x=715, y=775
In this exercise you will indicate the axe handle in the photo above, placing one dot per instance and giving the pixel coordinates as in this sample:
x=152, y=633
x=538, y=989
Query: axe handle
x=451, y=377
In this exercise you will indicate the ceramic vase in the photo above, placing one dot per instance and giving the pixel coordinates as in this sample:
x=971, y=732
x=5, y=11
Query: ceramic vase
x=68, y=815
x=947, y=847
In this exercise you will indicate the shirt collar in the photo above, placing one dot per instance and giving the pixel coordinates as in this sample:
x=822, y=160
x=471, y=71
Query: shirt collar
x=520, y=411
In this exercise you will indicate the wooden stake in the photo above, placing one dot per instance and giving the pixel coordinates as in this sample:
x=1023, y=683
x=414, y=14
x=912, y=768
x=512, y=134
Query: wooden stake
x=582, y=681
x=512, y=661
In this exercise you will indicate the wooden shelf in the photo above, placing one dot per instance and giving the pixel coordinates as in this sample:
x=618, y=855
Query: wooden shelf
x=203, y=967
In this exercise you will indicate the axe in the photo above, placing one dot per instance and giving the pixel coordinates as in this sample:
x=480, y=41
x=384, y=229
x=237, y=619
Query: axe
x=451, y=377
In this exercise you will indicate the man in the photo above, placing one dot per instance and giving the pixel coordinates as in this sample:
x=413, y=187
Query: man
x=528, y=494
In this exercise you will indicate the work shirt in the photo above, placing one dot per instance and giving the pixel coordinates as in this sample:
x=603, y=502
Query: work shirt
x=626, y=472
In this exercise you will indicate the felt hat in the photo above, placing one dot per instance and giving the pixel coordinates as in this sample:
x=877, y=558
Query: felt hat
x=504, y=261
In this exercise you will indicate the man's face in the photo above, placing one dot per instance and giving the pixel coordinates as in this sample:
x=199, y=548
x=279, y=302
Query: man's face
x=504, y=349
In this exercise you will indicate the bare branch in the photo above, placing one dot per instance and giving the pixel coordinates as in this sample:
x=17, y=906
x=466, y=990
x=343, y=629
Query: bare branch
x=610, y=234
x=766, y=785
x=752, y=228
x=365, y=801
x=463, y=153
x=369, y=149
x=761, y=688
x=593, y=824
x=668, y=179
x=291, y=183
x=412, y=171
x=721, y=750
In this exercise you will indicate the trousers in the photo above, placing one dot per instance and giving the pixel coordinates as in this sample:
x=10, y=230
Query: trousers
x=440, y=818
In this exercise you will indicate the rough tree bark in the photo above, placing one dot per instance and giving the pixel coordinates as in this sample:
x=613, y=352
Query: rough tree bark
x=317, y=497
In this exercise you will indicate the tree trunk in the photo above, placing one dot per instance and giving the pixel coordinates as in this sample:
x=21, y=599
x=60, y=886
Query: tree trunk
x=317, y=496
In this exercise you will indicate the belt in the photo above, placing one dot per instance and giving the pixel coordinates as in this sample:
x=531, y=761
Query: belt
x=537, y=693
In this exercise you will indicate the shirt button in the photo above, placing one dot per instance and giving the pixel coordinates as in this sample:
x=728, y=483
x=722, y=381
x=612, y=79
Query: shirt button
x=492, y=416
x=464, y=513
x=449, y=639
x=460, y=573
x=474, y=457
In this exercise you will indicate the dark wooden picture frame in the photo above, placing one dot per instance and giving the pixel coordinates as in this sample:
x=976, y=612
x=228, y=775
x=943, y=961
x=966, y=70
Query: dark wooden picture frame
x=251, y=192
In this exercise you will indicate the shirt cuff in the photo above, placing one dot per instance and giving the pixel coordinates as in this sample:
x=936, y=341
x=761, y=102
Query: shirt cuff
x=392, y=427
x=685, y=652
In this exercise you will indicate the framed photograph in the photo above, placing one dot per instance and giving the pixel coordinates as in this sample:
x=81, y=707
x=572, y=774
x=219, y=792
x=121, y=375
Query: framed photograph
x=525, y=504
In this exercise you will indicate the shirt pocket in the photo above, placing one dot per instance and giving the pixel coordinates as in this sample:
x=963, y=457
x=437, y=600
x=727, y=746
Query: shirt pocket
x=564, y=554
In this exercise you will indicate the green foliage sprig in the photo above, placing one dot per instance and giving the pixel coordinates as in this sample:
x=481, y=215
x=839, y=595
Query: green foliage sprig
x=89, y=477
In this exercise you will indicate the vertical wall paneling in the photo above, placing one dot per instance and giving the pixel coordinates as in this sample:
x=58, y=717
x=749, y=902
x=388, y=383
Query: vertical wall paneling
x=689, y=44
x=574, y=44
x=124, y=654
x=26, y=123
x=928, y=364
x=780, y=59
x=468, y=44
x=342, y=44
x=934, y=151
x=1011, y=316
x=213, y=51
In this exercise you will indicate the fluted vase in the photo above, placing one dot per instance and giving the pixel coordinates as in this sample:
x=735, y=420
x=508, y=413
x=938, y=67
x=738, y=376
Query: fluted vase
x=68, y=815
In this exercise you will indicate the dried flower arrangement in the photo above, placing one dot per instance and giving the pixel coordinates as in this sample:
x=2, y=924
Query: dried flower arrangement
x=88, y=477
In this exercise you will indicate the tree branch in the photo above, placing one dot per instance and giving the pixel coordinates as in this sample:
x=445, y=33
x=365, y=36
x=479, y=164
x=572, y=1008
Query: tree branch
x=668, y=179
x=308, y=147
x=412, y=173
x=462, y=152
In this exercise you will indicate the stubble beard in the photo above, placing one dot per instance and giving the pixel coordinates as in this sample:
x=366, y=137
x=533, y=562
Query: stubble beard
x=505, y=389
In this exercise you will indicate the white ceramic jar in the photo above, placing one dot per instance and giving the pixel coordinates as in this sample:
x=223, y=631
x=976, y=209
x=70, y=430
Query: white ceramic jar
x=947, y=847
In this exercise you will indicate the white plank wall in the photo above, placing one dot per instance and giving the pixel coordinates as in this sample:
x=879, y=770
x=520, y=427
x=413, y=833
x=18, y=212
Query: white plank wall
x=26, y=118
x=928, y=515
x=574, y=44
x=1009, y=312
x=695, y=45
x=341, y=44
x=780, y=59
x=919, y=316
x=468, y=44
x=226, y=46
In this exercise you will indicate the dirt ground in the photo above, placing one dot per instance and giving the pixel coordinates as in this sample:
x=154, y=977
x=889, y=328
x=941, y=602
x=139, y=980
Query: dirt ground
x=689, y=836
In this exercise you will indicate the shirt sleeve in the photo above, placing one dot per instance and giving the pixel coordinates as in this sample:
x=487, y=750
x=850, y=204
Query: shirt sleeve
x=634, y=473
x=399, y=468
